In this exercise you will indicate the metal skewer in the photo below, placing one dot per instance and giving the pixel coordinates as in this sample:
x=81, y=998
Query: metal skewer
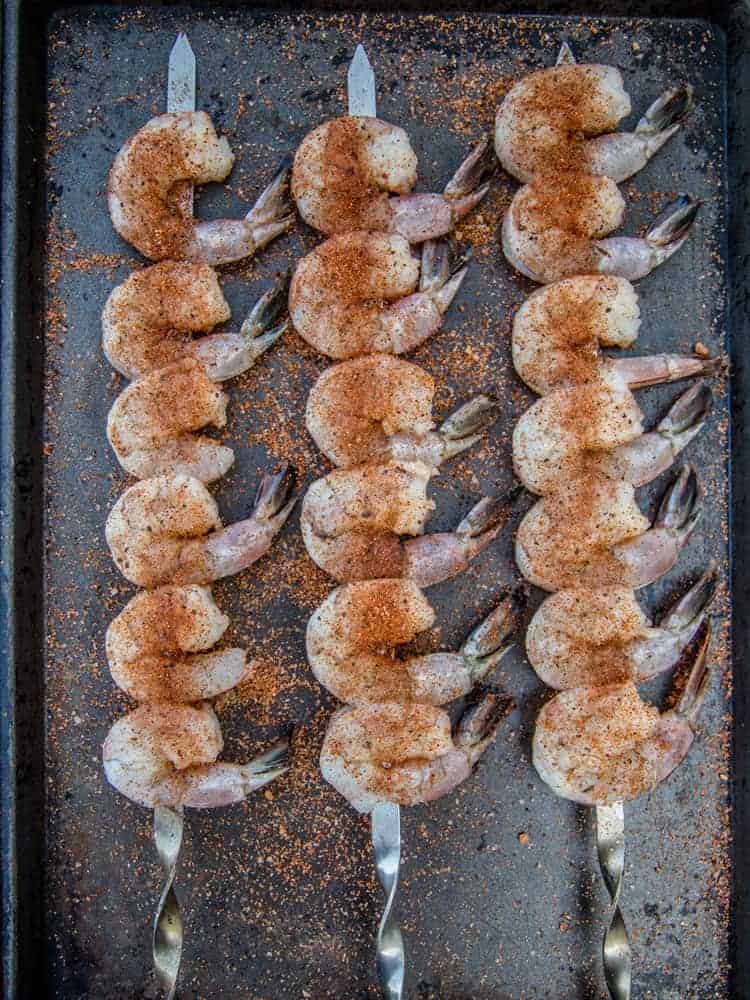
x=181, y=97
x=610, y=846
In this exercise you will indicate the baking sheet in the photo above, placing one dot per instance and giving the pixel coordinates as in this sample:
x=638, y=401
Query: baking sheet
x=500, y=893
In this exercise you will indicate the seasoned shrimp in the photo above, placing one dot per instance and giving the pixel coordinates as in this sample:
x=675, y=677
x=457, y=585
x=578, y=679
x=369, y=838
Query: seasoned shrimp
x=405, y=753
x=357, y=173
x=357, y=294
x=350, y=640
x=603, y=745
x=379, y=407
x=592, y=533
x=598, y=427
x=564, y=117
x=167, y=530
x=157, y=647
x=555, y=229
x=148, y=320
x=583, y=637
x=173, y=148
x=558, y=331
x=352, y=520
x=165, y=755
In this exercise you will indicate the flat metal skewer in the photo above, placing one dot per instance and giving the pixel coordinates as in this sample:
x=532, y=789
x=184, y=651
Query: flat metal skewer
x=610, y=846
x=360, y=85
x=181, y=97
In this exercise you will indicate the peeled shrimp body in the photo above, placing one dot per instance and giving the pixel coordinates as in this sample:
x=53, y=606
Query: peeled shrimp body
x=405, y=753
x=583, y=637
x=149, y=210
x=379, y=407
x=603, y=745
x=360, y=293
x=350, y=640
x=357, y=173
x=165, y=755
x=555, y=228
x=148, y=321
x=591, y=533
x=564, y=117
x=157, y=647
x=598, y=427
x=352, y=520
x=167, y=530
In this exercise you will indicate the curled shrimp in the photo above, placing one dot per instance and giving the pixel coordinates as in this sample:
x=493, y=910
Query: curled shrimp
x=405, y=753
x=358, y=173
x=603, y=745
x=592, y=533
x=352, y=521
x=149, y=319
x=598, y=427
x=167, y=530
x=588, y=637
x=564, y=117
x=166, y=755
x=559, y=329
x=145, y=203
x=379, y=407
x=157, y=647
x=360, y=293
x=350, y=640
x=555, y=228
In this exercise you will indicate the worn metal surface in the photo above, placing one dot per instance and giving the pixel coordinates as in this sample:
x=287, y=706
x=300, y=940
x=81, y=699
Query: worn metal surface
x=500, y=895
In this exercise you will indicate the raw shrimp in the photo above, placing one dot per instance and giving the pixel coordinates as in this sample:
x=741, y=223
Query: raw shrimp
x=350, y=640
x=603, y=745
x=167, y=530
x=405, y=753
x=592, y=533
x=357, y=173
x=581, y=636
x=598, y=427
x=558, y=330
x=379, y=407
x=555, y=229
x=165, y=755
x=352, y=520
x=564, y=117
x=148, y=320
x=357, y=294
x=147, y=211
x=157, y=647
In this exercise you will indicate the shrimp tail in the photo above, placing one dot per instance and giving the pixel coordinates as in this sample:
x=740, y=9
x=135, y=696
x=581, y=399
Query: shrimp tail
x=268, y=766
x=633, y=257
x=464, y=427
x=440, y=277
x=656, y=369
x=565, y=57
x=273, y=212
x=255, y=329
x=665, y=115
x=670, y=228
x=495, y=636
x=692, y=606
x=470, y=183
x=272, y=501
x=691, y=700
x=682, y=506
x=478, y=725
x=686, y=416
x=482, y=524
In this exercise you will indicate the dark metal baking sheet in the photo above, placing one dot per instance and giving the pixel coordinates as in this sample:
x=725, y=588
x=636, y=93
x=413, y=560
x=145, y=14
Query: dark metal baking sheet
x=278, y=894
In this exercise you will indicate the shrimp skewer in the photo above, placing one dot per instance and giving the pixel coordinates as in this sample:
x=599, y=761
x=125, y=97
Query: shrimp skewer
x=351, y=635
x=379, y=407
x=167, y=151
x=583, y=637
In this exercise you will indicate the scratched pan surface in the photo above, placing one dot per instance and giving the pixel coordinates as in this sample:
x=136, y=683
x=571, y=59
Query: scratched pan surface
x=500, y=895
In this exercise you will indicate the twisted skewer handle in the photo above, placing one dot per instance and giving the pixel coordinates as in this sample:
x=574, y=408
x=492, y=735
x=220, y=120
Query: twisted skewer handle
x=167, y=942
x=386, y=844
x=610, y=845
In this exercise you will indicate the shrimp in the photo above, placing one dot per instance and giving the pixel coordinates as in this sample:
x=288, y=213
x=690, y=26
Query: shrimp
x=357, y=294
x=603, y=745
x=352, y=520
x=583, y=637
x=351, y=635
x=555, y=229
x=148, y=320
x=146, y=212
x=558, y=330
x=598, y=427
x=167, y=530
x=564, y=117
x=358, y=173
x=166, y=755
x=379, y=407
x=405, y=753
x=592, y=533
x=157, y=647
